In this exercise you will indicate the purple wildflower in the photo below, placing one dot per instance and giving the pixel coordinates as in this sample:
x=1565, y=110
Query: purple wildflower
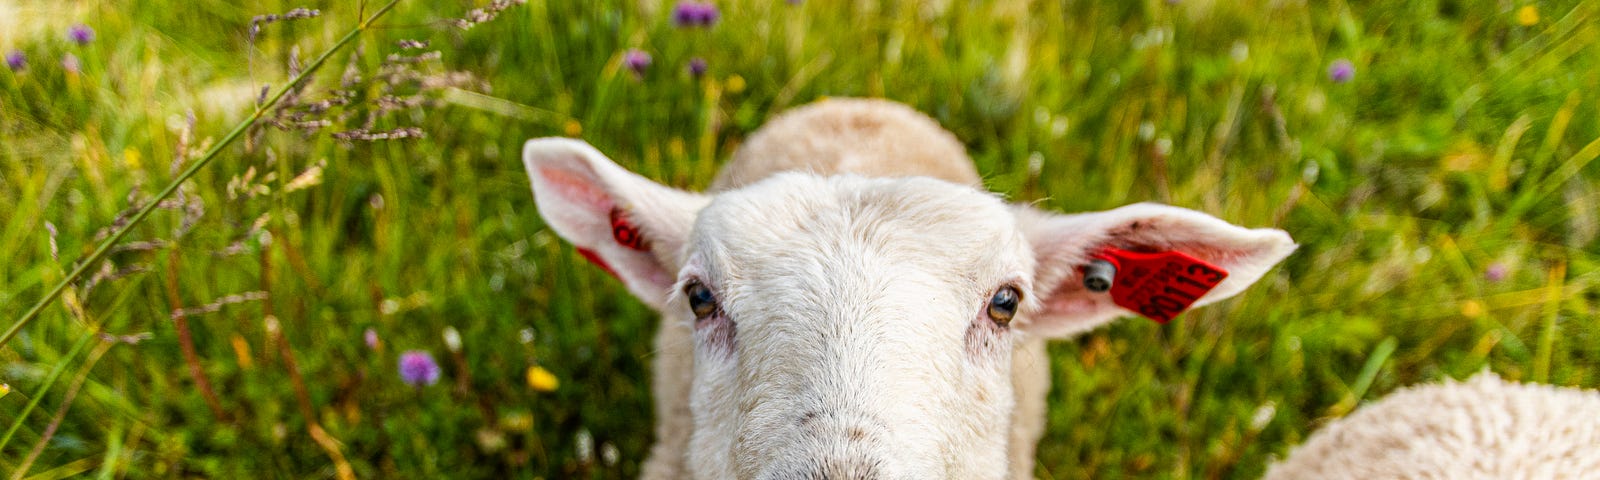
x=1496, y=272
x=636, y=60
x=685, y=14
x=371, y=337
x=697, y=67
x=1341, y=71
x=80, y=34
x=418, y=368
x=709, y=14
x=16, y=61
x=695, y=14
x=71, y=64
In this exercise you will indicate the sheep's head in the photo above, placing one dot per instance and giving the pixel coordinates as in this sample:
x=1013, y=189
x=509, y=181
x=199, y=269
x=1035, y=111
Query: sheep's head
x=850, y=327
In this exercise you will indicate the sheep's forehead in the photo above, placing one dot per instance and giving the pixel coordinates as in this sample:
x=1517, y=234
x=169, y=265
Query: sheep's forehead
x=807, y=226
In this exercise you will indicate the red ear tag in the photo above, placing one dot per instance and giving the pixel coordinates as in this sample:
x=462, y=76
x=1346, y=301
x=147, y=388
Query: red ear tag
x=626, y=233
x=1160, y=285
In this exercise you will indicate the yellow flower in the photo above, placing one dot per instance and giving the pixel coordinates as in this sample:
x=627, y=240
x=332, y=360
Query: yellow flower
x=541, y=379
x=573, y=128
x=4, y=389
x=735, y=84
x=241, y=349
x=1528, y=15
x=1471, y=309
x=130, y=157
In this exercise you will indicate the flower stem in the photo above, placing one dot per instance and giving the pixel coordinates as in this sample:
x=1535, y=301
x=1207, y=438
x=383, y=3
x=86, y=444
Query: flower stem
x=186, y=340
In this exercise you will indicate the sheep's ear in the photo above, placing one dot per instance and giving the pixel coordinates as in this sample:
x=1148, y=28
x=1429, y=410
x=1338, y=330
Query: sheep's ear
x=628, y=225
x=1064, y=244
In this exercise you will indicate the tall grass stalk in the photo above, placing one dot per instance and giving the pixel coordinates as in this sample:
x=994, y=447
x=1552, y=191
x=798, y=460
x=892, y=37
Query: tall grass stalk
x=1547, y=329
x=238, y=130
x=61, y=412
x=186, y=340
x=50, y=380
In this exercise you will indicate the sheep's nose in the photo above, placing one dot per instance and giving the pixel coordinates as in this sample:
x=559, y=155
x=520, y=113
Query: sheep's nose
x=851, y=461
x=848, y=468
x=849, y=456
x=836, y=444
x=853, y=470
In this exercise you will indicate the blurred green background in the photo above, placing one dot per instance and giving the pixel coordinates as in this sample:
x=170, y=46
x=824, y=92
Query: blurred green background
x=1444, y=194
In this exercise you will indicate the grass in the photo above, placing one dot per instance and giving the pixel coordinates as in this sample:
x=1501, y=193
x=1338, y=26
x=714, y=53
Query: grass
x=1445, y=200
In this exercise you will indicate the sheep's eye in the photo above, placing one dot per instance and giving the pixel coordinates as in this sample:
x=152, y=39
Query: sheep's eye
x=701, y=301
x=1003, y=305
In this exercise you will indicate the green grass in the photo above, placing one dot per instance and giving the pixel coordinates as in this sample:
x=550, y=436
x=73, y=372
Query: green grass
x=1465, y=142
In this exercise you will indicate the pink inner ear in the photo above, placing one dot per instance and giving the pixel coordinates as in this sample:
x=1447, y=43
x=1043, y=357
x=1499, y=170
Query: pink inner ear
x=1072, y=305
x=576, y=188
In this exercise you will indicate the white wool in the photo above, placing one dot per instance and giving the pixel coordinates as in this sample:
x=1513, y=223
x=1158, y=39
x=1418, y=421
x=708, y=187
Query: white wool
x=1484, y=428
x=853, y=257
x=878, y=357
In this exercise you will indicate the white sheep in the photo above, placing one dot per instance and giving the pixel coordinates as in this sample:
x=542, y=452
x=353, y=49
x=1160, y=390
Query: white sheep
x=1484, y=428
x=846, y=302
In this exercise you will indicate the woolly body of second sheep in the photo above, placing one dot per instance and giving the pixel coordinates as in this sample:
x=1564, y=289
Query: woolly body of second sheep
x=1484, y=428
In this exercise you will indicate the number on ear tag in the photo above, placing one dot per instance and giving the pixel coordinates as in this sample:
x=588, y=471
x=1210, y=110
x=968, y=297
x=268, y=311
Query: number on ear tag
x=1160, y=285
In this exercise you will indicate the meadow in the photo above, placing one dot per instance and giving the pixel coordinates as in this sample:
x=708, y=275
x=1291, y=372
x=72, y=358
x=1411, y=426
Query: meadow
x=1435, y=159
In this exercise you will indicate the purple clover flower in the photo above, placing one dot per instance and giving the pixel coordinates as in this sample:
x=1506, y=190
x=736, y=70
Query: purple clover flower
x=371, y=336
x=80, y=34
x=695, y=14
x=636, y=60
x=418, y=368
x=1341, y=71
x=709, y=14
x=685, y=14
x=70, y=63
x=1496, y=272
x=16, y=61
x=697, y=67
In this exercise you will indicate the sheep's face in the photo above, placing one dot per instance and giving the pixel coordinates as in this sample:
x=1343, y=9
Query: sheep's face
x=849, y=327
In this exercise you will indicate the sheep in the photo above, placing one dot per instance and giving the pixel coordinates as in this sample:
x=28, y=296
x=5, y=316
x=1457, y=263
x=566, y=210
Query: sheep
x=1483, y=428
x=847, y=302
